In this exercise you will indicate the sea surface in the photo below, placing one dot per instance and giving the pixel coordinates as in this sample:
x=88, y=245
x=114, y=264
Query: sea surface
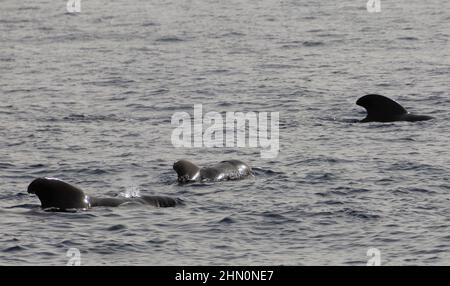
x=88, y=98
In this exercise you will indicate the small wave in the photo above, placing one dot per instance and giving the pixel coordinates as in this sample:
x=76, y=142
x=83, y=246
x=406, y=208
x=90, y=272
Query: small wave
x=150, y=24
x=23, y=206
x=315, y=177
x=69, y=243
x=277, y=66
x=349, y=191
x=88, y=171
x=408, y=38
x=89, y=118
x=117, y=82
x=383, y=84
x=320, y=160
x=14, y=21
x=342, y=191
x=16, y=248
x=218, y=71
x=344, y=212
x=231, y=34
x=157, y=241
x=276, y=217
x=29, y=8
x=359, y=214
x=170, y=39
x=33, y=166
x=18, y=90
x=117, y=227
x=227, y=220
x=298, y=44
x=6, y=165
x=7, y=59
x=46, y=29
x=313, y=44
x=267, y=172
x=332, y=202
x=343, y=120
x=402, y=191
x=413, y=166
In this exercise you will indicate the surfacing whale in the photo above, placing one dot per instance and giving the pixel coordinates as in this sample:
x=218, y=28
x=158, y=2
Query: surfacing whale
x=382, y=109
x=57, y=195
x=225, y=170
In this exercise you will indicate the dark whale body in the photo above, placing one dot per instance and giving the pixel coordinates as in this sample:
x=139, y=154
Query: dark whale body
x=58, y=195
x=382, y=109
x=225, y=170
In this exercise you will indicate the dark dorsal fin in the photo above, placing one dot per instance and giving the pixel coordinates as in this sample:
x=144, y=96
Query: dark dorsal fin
x=187, y=171
x=380, y=108
x=54, y=193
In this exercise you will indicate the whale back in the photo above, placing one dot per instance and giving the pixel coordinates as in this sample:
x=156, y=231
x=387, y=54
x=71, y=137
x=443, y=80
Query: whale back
x=226, y=170
x=56, y=194
x=380, y=108
x=186, y=171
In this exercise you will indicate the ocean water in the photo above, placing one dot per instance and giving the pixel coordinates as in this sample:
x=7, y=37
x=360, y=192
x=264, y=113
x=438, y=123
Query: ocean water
x=88, y=98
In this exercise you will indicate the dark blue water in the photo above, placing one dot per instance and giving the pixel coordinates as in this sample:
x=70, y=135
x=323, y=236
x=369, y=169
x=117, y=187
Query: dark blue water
x=89, y=97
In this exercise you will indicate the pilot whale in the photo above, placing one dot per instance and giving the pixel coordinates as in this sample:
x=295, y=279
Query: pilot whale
x=225, y=170
x=382, y=109
x=58, y=195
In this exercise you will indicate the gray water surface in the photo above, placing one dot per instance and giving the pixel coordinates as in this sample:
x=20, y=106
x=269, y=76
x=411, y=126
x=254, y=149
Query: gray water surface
x=89, y=97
